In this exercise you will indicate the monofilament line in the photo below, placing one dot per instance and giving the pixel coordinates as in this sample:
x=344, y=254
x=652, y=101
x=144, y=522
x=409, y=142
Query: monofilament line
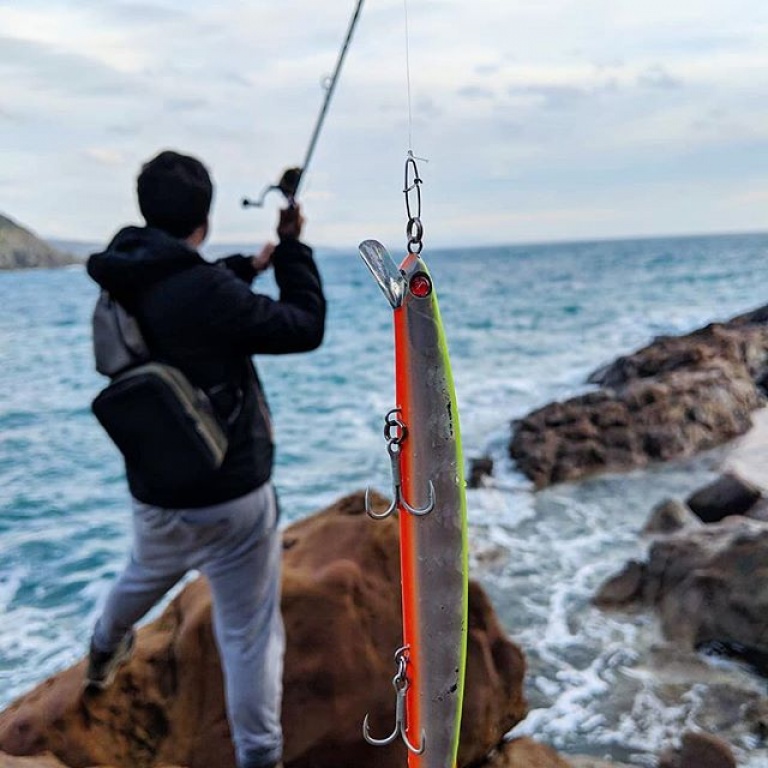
x=408, y=77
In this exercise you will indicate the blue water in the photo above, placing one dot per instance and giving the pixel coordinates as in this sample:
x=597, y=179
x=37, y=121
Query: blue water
x=525, y=325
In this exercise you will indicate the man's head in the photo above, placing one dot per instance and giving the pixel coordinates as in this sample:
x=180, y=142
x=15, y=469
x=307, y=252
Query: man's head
x=175, y=193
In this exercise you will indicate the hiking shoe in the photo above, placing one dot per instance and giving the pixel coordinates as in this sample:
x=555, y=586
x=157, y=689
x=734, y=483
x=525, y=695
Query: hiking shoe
x=103, y=665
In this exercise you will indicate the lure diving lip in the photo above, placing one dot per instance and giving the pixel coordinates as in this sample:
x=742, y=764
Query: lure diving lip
x=425, y=448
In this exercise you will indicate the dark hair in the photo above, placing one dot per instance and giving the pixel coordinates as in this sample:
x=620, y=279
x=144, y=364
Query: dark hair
x=175, y=193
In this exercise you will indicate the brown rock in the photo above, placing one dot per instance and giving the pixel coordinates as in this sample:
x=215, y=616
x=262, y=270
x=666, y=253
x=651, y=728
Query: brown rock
x=525, y=753
x=728, y=495
x=669, y=516
x=685, y=413
x=673, y=398
x=698, y=750
x=624, y=588
x=341, y=607
x=739, y=342
x=480, y=468
x=707, y=584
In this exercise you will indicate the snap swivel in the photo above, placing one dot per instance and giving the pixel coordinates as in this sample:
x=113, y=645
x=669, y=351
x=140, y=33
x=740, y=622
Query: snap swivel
x=395, y=432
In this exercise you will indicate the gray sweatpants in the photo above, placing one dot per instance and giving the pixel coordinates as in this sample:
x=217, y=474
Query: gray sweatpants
x=237, y=546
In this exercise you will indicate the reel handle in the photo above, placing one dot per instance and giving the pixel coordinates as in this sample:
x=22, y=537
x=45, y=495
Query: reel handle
x=288, y=185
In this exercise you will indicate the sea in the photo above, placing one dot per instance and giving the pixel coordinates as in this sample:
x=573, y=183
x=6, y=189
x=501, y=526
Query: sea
x=526, y=324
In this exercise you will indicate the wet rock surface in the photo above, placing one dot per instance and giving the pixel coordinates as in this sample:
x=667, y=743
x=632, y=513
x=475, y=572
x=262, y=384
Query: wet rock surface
x=727, y=495
x=698, y=750
x=706, y=584
x=480, y=471
x=675, y=397
x=669, y=516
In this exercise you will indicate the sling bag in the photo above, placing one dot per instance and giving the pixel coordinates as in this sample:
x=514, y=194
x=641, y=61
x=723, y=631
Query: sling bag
x=165, y=426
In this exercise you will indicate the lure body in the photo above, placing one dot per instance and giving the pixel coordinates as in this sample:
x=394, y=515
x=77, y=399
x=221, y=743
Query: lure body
x=433, y=546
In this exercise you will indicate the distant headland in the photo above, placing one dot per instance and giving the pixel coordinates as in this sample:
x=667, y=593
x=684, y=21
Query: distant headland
x=21, y=249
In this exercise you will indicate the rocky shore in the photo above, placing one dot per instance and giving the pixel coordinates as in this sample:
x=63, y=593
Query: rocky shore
x=342, y=614
x=705, y=579
x=21, y=249
x=675, y=397
x=341, y=606
x=705, y=575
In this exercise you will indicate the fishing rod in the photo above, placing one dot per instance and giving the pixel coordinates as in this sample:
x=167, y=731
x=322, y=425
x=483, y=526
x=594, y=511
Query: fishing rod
x=291, y=179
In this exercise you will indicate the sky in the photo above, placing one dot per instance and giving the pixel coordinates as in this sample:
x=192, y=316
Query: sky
x=535, y=120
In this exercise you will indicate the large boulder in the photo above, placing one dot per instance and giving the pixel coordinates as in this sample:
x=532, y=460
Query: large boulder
x=729, y=494
x=708, y=584
x=673, y=398
x=698, y=750
x=341, y=607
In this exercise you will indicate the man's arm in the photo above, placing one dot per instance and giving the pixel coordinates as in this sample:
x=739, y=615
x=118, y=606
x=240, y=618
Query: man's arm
x=258, y=324
x=248, y=267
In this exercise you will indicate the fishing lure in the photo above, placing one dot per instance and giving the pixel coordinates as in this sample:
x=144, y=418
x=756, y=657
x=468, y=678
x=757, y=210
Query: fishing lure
x=424, y=446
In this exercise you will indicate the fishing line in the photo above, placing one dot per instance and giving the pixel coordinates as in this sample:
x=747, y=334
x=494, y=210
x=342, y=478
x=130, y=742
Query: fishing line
x=408, y=77
x=412, y=186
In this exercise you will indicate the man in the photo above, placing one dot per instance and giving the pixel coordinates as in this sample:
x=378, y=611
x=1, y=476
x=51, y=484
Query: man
x=204, y=319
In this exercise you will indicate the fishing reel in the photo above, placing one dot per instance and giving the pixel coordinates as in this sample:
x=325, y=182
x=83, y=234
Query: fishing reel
x=288, y=185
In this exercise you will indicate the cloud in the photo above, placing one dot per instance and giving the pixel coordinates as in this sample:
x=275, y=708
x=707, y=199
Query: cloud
x=523, y=107
x=657, y=76
x=550, y=96
x=66, y=33
x=475, y=93
x=41, y=65
x=105, y=156
x=188, y=104
x=140, y=14
x=9, y=115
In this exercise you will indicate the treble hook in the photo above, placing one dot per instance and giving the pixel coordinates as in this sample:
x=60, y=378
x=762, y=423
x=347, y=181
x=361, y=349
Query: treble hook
x=400, y=683
x=395, y=432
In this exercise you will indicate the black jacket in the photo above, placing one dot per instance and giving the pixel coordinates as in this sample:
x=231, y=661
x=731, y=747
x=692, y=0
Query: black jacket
x=203, y=318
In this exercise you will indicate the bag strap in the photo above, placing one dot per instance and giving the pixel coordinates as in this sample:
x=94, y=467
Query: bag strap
x=125, y=346
x=118, y=343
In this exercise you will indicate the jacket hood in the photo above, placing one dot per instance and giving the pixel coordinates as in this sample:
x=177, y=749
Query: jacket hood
x=137, y=258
